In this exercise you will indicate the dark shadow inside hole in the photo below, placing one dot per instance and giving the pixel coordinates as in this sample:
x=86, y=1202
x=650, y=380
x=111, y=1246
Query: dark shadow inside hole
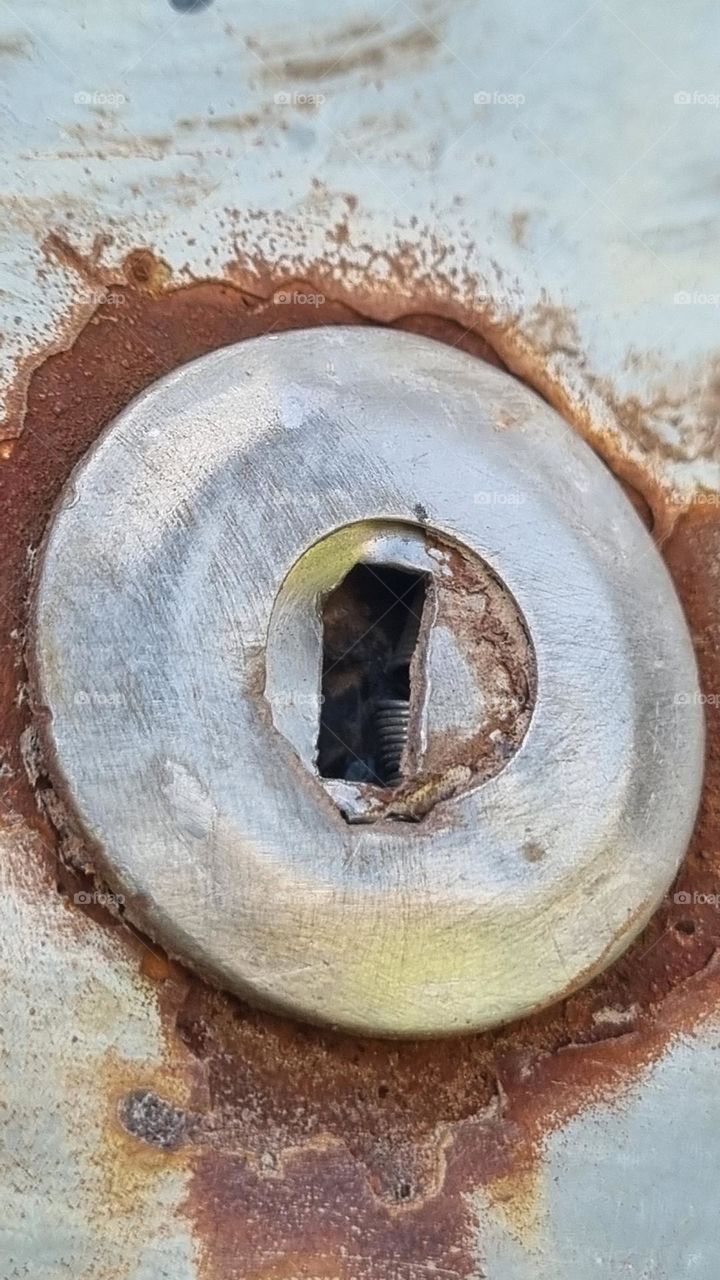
x=371, y=624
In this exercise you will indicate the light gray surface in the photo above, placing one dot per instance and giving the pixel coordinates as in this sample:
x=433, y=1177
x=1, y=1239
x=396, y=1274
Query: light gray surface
x=154, y=598
x=627, y=1192
x=576, y=238
x=79, y=1027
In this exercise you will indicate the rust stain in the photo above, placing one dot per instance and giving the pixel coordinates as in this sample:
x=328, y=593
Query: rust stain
x=477, y=610
x=468, y=602
x=86, y=266
x=314, y=1154
x=130, y=1169
x=19, y=46
x=555, y=329
x=387, y=50
x=519, y=222
x=97, y=137
x=237, y=123
x=147, y=272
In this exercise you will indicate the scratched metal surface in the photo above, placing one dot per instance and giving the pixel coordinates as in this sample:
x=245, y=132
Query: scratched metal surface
x=545, y=177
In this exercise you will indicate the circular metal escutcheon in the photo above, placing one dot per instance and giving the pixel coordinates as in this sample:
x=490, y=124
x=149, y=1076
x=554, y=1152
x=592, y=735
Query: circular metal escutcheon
x=546, y=753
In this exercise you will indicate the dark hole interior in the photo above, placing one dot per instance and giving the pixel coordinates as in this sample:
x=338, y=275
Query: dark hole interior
x=370, y=629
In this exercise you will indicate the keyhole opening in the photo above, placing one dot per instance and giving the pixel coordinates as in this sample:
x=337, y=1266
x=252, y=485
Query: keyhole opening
x=371, y=624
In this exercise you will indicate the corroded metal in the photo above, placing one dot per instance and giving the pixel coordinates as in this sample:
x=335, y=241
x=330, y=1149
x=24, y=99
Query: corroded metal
x=154, y=602
x=428, y=1159
x=552, y=235
x=434, y=1148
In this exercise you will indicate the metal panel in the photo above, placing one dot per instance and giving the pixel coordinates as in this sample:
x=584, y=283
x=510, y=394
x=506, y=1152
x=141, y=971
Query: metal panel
x=171, y=182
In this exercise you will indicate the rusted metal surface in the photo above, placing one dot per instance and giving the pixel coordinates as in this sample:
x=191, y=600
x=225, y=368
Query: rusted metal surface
x=301, y=1148
x=263, y=1149
x=176, y=607
x=414, y=159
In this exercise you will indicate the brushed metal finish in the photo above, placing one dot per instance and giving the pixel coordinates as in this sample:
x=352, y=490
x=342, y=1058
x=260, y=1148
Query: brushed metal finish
x=156, y=589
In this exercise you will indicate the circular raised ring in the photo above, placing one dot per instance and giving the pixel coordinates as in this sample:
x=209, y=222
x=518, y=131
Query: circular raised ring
x=153, y=607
